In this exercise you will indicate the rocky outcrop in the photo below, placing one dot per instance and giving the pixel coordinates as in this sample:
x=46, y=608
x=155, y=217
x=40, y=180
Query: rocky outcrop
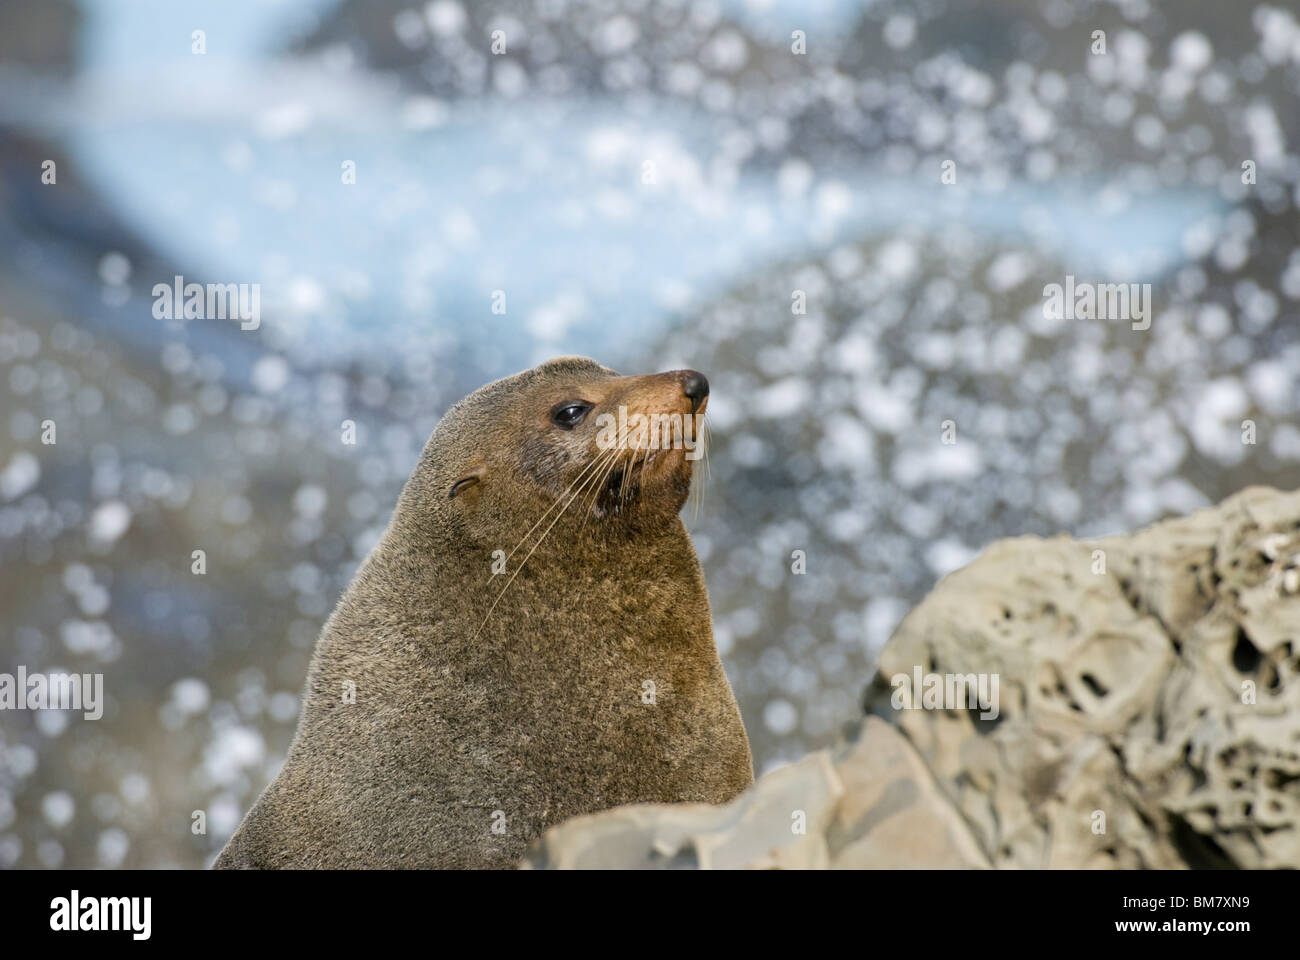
x=1147, y=716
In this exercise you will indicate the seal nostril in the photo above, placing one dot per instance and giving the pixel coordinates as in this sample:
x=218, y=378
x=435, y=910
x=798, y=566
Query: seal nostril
x=696, y=386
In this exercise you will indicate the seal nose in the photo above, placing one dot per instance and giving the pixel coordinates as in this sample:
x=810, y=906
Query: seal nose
x=696, y=386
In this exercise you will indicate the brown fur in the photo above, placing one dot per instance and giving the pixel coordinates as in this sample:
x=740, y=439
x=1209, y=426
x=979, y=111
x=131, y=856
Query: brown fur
x=539, y=714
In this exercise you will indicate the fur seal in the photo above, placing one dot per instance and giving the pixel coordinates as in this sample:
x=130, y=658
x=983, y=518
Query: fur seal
x=456, y=706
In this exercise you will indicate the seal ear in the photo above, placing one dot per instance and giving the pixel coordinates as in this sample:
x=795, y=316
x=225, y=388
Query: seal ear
x=467, y=486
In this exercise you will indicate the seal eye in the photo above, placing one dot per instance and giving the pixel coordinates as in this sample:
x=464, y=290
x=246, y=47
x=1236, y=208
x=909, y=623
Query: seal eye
x=569, y=413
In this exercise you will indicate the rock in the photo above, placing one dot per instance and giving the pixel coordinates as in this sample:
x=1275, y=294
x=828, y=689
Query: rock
x=1148, y=687
x=754, y=830
x=1147, y=714
x=870, y=802
x=892, y=814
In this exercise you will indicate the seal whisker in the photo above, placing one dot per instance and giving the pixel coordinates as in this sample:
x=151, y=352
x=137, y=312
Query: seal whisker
x=557, y=502
x=590, y=507
x=695, y=498
x=627, y=489
x=645, y=458
x=540, y=541
x=706, y=436
x=622, y=484
x=614, y=464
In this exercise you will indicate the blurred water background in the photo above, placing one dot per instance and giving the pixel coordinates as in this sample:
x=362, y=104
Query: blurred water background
x=648, y=183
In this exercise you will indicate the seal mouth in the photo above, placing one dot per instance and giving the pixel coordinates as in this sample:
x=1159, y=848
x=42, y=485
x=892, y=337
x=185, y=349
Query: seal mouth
x=635, y=473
